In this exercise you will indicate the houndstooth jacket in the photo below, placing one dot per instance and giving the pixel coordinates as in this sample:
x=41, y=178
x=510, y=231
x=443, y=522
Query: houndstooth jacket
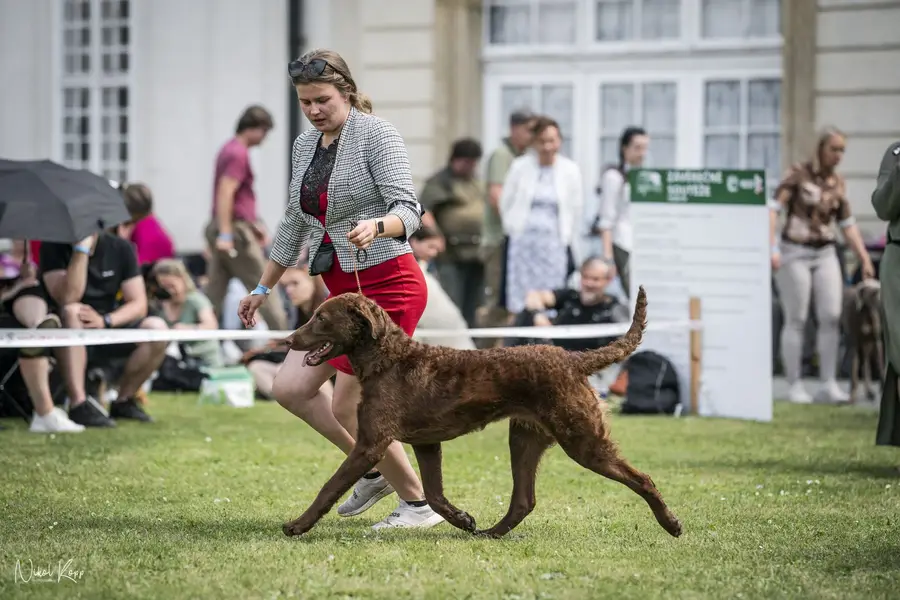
x=371, y=178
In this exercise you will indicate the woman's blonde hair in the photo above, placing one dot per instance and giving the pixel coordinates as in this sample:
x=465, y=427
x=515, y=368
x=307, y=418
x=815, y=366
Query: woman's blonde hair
x=173, y=266
x=337, y=73
x=825, y=134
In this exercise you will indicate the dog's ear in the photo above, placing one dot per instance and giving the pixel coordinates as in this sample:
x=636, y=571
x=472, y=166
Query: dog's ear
x=375, y=317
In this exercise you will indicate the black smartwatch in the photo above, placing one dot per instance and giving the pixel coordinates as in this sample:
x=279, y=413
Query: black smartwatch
x=379, y=225
x=107, y=321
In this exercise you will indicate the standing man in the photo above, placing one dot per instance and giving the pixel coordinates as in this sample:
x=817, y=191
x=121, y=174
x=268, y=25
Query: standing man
x=493, y=243
x=455, y=198
x=235, y=236
x=886, y=201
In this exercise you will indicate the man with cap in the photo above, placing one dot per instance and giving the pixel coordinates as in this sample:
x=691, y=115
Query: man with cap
x=493, y=243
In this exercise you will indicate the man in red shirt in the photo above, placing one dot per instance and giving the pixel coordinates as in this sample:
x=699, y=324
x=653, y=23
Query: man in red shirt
x=236, y=237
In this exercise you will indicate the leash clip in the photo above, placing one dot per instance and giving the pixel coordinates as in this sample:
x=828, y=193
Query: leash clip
x=361, y=253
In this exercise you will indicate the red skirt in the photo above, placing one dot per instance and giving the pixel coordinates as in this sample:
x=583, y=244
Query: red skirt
x=396, y=285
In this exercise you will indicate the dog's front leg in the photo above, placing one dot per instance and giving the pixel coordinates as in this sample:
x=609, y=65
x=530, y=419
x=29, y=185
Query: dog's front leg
x=357, y=464
x=429, y=458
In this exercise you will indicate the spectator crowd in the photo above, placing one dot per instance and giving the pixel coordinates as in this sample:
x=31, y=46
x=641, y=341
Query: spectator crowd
x=528, y=243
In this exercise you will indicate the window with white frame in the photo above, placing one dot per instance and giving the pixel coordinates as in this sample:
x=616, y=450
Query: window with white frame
x=556, y=100
x=742, y=125
x=95, y=95
x=740, y=19
x=650, y=105
x=535, y=22
x=626, y=20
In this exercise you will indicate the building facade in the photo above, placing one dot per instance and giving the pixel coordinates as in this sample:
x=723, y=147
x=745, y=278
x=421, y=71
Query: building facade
x=147, y=90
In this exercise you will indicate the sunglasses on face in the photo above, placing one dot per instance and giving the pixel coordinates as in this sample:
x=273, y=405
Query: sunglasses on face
x=311, y=69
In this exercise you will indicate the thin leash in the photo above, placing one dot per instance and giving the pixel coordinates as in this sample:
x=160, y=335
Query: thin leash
x=359, y=257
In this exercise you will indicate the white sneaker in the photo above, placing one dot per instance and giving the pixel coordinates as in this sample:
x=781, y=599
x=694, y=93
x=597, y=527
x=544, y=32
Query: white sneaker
x=56, y=421
x=366, y=493
x=410, y=516
x=832, y=392
x=798, y=394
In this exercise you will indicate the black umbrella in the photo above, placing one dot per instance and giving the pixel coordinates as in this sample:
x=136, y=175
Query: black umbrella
x=45, y=201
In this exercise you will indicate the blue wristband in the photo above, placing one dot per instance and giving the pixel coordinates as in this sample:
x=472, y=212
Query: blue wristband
x=225, y=237
x=82, y=249
x=260, y=290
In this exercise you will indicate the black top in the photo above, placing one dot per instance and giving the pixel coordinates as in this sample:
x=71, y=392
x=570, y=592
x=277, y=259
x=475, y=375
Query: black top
x=571, y=311
x=114, y=262
x=314, y=187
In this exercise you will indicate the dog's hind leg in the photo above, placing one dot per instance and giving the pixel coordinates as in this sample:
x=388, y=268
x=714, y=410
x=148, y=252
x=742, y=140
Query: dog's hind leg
x=854, y=373
x=429, y=458
x=365, y=455
x=582, y=435
x=527, y=444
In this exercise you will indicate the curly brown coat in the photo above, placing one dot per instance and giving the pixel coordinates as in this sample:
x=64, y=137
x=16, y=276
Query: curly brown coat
x=424, y=395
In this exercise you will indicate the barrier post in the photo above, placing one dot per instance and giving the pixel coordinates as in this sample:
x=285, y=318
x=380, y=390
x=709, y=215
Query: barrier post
x=696, y=342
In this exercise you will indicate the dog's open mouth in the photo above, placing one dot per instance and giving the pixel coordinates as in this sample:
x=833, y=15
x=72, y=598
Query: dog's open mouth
x=317, y=357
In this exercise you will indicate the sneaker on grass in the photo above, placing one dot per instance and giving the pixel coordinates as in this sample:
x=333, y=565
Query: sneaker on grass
x=365, y=494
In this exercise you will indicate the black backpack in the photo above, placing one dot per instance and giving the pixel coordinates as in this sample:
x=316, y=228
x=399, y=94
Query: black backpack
x=652, y=385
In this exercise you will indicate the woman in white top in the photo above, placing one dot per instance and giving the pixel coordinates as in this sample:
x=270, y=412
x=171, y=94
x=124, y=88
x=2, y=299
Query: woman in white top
x=541, y=207
x=612, y=227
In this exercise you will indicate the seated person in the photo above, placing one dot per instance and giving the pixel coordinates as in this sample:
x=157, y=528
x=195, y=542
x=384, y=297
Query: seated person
x=305, y=293
x=23, y=305
x=84, y=283
x=186, y=307
x=590, y=305
x=440, y=311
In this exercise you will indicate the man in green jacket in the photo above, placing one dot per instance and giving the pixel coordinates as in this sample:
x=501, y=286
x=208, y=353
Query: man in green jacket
x=886, y=201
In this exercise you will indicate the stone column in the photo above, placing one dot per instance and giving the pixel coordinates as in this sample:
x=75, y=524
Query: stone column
x=458, y=95
x=798, y=87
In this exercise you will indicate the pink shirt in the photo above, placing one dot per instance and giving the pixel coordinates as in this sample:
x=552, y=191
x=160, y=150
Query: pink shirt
x=151, y=241
x=233, y=161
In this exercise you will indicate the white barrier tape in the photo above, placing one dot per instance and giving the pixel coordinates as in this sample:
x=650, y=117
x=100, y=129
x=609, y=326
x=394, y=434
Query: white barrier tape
x=59, y=338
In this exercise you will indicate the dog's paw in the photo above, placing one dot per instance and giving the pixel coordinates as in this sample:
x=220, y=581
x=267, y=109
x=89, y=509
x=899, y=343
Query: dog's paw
x=672, y=525
x=293, y=528
x=466, y=521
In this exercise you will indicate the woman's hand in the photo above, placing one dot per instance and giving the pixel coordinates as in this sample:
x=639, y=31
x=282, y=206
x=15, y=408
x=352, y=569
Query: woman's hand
x=248, y=307
x=868, y=269
x=363, y=234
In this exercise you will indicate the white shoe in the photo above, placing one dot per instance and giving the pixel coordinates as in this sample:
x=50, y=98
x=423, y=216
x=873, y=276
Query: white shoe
x=798, y=394
x=410, y=516
x=832, y=392
x=56, y=421
x=366, y=493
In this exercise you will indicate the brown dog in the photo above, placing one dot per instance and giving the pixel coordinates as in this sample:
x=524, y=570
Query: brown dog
x=424, y=395
x=862, y=324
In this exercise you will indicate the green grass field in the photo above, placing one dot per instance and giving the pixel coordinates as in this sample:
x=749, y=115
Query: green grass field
x=192, y=507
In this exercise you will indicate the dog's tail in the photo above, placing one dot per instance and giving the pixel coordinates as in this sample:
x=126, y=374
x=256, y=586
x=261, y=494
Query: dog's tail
x=595, y=360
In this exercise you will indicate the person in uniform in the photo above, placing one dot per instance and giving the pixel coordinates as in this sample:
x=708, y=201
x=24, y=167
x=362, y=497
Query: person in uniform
x=886, y=201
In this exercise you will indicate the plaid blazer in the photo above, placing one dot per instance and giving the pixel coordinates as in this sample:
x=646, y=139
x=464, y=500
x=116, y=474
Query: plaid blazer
x=371, y=178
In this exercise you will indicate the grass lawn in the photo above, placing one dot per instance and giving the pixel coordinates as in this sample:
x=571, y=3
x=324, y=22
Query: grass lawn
x=192, y=507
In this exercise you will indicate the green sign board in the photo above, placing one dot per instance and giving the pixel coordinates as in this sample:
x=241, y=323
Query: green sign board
x=698, y=186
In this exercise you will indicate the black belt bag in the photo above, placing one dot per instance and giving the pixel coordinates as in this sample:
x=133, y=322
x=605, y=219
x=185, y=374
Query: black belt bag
x=323, y=260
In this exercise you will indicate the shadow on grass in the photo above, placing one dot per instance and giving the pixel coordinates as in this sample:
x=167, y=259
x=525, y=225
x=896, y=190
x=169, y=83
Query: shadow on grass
x=886, y=471
x=238, y=530
x=874, y=556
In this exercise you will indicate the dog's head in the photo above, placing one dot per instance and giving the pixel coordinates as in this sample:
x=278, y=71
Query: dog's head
x=339, y=326
x=868, y=296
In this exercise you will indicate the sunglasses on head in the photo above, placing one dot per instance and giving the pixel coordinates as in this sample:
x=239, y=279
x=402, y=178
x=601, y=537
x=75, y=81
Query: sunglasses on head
x=313, y=68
